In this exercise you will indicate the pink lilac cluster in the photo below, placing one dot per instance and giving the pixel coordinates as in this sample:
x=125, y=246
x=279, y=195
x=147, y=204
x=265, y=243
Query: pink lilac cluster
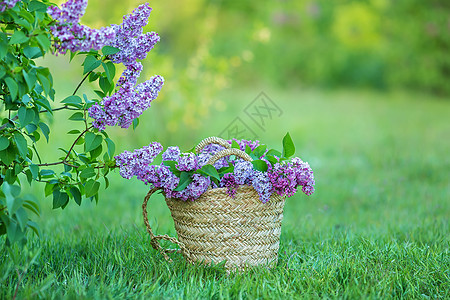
x=7, y=4
x=130, y=100
x=130, y=39
x=70, y=35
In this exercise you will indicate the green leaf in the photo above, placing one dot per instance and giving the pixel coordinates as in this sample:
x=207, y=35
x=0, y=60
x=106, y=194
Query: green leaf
x=43, y=41
x=11, y=192
x=271, y=159
x=12, y=86
x=13, y=231
x=96, y=152
x=35, y=227
x=235, y=145
x=259, y=151
x=110, y=70
x=108, y=50
x=60, y=199
x=30, y=79
x=248, y=150
x=21, y=144
x=90, y=64
x=92, y=141
x=45, y=130
x=210, y=171
x=273, y=153
x=260, y=165
x=49, y=187
x=37, y=6
x=76, y=195
x=288, y=146
x=74, y=131
x=18, y=37
x=78, y=116
x=32, y=52
x=185, y=180
x=111, y=147
x=26, y=116
x=135, y=123
x=32, y=206
x=47, y=173
x=45, y=104
x=22, y=217
x=87, y=173
x=4, y=143
x=74, y=99
x=91, y=188
x=45, y=83
x=34, y=171
x=8, y=155
x=104, y=84
x=94, y=76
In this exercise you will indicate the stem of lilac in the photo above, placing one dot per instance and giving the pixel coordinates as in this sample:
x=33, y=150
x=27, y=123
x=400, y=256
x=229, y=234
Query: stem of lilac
x=81, y=82
x=64, y=161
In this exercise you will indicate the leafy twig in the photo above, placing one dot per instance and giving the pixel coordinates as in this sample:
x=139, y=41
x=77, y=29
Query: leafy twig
x=64, y=161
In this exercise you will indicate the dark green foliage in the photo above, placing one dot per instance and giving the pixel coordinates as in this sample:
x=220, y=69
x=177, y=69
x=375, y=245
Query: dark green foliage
x=28, y=100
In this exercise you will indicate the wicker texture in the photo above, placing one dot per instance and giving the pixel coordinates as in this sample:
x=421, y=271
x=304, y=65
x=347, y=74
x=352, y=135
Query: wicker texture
x=216, y=227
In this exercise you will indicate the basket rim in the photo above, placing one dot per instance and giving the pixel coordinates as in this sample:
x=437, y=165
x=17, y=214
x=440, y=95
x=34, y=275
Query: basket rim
x=240, y=188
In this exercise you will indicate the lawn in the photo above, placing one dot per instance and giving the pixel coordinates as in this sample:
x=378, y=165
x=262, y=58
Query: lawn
x=377, y=226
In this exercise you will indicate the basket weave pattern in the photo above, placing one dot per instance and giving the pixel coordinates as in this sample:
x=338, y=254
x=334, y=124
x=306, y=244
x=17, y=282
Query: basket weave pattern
x=243, y=231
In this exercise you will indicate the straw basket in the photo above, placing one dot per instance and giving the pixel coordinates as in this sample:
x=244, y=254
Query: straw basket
x=242, y=231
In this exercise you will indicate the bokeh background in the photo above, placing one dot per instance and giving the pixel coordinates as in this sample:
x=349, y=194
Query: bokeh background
x=362, y=86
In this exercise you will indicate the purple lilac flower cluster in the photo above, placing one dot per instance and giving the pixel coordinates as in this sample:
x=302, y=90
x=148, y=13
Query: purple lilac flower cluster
x=130, y=39
x=161, y=176
x=137, y=162
x=6, y=4
x=282, y=178
x=129, y=102
x=70, y=35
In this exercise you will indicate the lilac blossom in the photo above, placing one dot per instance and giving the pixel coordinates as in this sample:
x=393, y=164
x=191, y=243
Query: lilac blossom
x=196, y=188
x=130, y=39
x=228, y=181
x=283, y=179
x=208, y=152
x=7, y=4
x=172, y=153
x=70, y=35
x=137, y=162
x=243, y=171
x=129, y=102
x=188, y=162
x=261, y=183
x=304, y=175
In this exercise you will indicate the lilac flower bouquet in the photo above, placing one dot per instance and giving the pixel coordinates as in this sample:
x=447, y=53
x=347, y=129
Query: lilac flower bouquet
x=187, y=176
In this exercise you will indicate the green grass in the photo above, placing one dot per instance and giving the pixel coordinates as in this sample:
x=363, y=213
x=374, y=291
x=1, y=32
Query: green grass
x=377, y=226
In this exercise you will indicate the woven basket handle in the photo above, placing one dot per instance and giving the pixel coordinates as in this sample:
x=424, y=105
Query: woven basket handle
x=211, y=140
x=227, y=152
x=155, y=238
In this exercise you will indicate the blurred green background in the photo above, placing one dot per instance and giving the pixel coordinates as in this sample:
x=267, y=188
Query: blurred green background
x=362, y=86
